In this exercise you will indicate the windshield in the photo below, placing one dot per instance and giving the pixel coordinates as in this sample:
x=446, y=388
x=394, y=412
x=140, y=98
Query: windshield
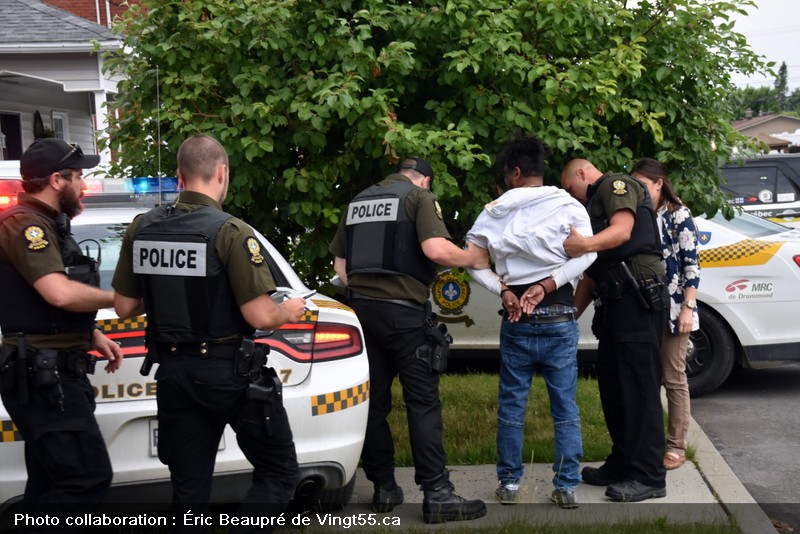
x=750, y=225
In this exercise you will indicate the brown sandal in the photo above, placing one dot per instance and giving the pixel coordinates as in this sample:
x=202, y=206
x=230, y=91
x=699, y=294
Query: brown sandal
x=673, y=460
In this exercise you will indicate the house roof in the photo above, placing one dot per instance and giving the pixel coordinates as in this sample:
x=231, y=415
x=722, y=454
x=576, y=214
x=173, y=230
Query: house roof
x=744, y=124
x=31, y=25
x=773, y=142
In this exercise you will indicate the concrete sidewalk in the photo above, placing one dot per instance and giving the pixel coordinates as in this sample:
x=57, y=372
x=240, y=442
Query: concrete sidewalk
x=703, y=491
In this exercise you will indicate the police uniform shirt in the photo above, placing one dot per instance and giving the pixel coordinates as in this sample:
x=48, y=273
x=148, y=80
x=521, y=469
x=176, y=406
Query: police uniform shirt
x=30, y=243
x=246, y=266
x=616, y=192
x=422, y=208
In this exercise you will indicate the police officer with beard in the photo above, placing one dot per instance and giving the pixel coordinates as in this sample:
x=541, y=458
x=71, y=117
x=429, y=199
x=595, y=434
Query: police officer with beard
x=201, y=276
x=386, y=250
x=627, y=281
x=50, y=297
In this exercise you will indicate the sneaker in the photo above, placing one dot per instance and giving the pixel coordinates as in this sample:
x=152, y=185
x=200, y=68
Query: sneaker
x=564, y=498
x=634, y=491
x=507, y=493
x=386, y=497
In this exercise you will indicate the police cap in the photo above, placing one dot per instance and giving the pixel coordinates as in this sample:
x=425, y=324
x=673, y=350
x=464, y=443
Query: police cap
x=46, y=156
x=417, y=164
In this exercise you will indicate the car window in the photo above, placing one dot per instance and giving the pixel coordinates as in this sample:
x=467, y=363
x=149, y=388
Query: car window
x=750, y=225
x=758, y=185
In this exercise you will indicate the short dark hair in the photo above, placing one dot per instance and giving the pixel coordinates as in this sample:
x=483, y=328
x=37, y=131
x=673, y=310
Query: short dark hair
x=524, y=151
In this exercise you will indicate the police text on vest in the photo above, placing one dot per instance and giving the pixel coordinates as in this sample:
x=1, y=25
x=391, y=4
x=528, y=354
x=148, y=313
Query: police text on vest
x=167, y=258
x=367, y=211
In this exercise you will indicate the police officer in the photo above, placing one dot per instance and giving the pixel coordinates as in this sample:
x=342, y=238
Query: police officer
x=201, y=276
x=627, y=281
x=48, y=331
x=386, y=250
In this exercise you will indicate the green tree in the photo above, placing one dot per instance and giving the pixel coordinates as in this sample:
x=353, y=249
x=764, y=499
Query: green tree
x=754, y=101
x=782, y=85
x=314, y=100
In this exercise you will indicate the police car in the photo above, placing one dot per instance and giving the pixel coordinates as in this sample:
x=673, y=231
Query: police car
x=749, y=292
x=766, y=186
x=321, y=360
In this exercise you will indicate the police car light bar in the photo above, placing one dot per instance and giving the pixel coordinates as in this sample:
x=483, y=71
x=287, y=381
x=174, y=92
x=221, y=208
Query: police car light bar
x=9, y=189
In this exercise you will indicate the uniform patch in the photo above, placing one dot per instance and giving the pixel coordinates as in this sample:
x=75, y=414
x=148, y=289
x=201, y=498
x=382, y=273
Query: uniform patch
x=438, y=210
x=619, y=187
x=35, y=237
x=254, y=248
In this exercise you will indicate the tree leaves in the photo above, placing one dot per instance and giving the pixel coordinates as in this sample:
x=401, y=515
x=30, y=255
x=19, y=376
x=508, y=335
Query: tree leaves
x=314, y=101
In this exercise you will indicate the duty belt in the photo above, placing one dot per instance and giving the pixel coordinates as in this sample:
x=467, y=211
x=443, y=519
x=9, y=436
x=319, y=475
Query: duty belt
x=400, y=302
x=204, y=349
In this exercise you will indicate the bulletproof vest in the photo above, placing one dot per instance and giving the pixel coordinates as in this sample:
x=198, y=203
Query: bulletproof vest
x=187, y=293
x=645, y=237
x=31, y=313
x=381, y=238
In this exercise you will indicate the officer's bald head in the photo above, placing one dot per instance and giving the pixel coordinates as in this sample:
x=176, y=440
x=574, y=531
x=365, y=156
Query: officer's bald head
x=199, y=157
x=577, y=176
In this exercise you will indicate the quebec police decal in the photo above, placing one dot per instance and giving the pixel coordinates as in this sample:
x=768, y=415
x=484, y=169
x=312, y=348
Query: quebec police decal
x=35, y=237
x=450, y=293
x=169, y=258
x=619, y=187
x=704, y=237
x=254, y=248
x=370, y=211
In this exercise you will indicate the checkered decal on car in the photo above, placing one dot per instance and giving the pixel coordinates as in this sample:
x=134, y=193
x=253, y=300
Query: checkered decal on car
x=309, y=316
x=122, y=325
x=340, y=400
x=744, y=253
x=9, y=432
x=336, y=305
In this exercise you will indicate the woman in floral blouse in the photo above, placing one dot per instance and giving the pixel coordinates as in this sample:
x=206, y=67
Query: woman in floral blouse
x=679, y=239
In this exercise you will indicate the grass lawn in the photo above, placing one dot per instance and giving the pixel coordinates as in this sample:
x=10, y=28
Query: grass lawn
x=469, y=413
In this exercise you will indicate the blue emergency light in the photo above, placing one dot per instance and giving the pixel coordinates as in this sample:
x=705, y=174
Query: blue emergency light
x=149, y=184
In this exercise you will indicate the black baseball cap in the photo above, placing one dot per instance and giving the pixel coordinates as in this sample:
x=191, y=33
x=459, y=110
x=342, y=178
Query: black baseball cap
x=46, y=156
x=417, y=164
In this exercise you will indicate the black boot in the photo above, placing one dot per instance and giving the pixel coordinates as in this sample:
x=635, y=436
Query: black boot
x=441, y=504
x=387, y=495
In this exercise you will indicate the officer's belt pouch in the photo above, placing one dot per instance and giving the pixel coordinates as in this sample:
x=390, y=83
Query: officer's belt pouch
x=250, y=357
x=81, y=363
x=7, y=355
x=44, y=368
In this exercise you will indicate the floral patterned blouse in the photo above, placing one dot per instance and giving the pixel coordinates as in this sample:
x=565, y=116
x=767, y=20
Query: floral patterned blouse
x=679, y=240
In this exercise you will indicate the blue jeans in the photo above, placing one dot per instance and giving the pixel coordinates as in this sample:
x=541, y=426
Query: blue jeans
x=551, y=348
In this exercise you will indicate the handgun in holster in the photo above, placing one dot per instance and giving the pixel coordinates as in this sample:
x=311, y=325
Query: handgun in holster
x=267, y=390
x=151, y=356
x=437, y=348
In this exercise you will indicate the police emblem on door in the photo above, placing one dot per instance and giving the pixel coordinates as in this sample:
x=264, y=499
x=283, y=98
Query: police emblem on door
x=450, y=293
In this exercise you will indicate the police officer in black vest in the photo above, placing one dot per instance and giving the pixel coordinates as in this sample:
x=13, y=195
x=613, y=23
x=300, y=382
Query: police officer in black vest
x=201, y=276
x=50, y=297
x=627, y=282
x=386, y=251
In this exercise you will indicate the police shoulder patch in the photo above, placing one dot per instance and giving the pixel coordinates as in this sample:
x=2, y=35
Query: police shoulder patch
x=620, y=187
x=36, y=238
x=438, y=210
x=253, y=247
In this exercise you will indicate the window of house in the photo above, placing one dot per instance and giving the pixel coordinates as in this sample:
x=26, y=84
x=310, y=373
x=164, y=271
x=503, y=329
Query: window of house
x=61, y=125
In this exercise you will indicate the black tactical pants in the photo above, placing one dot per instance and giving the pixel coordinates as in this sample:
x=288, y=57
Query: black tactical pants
x=65, y=455
x=393, y=333
x=629, y=378
x=197, y=397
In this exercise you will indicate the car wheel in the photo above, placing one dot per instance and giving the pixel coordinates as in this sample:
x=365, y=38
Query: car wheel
x=711, y=354
x=330, y=500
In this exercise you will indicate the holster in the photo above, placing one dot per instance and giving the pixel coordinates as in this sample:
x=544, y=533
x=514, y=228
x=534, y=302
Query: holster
x=437, y=348
x=267, y=390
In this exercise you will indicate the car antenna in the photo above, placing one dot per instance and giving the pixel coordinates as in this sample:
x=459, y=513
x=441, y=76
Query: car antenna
x=158, y=133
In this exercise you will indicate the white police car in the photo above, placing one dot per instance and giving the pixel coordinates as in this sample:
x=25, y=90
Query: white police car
x=321, y=360
x=749, y=292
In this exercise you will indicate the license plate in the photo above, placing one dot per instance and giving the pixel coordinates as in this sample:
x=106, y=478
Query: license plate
x=154, y=438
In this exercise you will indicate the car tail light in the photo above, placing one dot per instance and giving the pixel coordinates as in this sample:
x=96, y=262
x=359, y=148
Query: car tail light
x=796, y=260
x=9, y=189
x=320, y=342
